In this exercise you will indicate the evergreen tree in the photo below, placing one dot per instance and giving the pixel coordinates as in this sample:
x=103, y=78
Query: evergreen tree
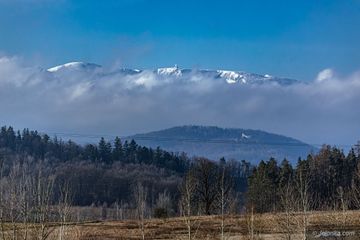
x=132, y=151
x=91, y=153
x=105, y=151
x=285, y=174
x=261, y=189
x=117, y=153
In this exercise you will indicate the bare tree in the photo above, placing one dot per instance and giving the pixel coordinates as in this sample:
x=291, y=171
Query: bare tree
x=344, y=200
x=206, y=173
x=187, y=202
x=42, y=194
x=355, y=188
x=118, y=210
x=225, y=185
x=12, y=201
x=2, y=205
x=17, y=196
x=64, y=208
x=250, y=223
x=25, y=200
x=304, y=200
x=140, y=197
x=163, y=204
x=121, y=210
x=288, y=203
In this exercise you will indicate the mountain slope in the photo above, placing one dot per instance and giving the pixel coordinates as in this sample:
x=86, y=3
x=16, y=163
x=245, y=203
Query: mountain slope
x=214, y=143
x=171, y=73
x=74, y=66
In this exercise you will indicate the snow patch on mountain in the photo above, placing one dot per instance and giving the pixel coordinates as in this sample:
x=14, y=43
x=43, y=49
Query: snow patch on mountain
x=174, y=71
x=74, y=66
x=232, y=77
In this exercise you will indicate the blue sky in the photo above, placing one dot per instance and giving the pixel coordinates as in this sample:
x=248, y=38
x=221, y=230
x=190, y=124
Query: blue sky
x=295, y=39
x=286, y=38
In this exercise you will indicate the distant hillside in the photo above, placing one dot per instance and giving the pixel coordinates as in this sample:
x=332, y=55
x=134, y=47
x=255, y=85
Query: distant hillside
x=231, y=143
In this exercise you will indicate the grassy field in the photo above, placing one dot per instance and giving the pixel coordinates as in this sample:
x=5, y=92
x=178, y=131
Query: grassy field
x=266, y=226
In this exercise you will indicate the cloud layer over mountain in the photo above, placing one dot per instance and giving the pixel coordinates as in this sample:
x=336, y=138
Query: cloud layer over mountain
x=86, y=98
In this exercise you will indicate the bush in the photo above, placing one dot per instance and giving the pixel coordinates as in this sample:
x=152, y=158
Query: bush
x=160, y=213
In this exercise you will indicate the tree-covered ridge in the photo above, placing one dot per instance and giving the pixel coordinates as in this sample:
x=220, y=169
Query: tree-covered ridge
x=107, y=172
x=195, y=132
x=42, y=146
x=328, y=180
x=232, y=143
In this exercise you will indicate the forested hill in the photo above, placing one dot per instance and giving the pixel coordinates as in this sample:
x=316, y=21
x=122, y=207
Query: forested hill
x=97, y=174
x=107, y=173
x=231, y=143
x=41, y=146
x=102, y=173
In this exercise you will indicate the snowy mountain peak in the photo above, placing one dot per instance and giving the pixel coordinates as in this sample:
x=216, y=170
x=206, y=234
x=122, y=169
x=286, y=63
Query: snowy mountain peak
x=170, y=71
x=74, y=66
x=231, y=76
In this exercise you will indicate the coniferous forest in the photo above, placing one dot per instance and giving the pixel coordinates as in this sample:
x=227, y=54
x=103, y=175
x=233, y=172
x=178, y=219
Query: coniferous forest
x=106, y=172
x=128, y=181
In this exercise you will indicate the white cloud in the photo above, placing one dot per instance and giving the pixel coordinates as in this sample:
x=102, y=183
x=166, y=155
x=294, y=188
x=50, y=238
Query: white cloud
x=325, y=74
x=317, y=112
x=79, y=90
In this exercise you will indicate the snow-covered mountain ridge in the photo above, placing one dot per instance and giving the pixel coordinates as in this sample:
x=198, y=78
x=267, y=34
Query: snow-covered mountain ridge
x=80, y=66
x=230, y=77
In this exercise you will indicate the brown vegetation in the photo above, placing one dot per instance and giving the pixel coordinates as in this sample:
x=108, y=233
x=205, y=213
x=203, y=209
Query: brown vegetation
x=266, y=227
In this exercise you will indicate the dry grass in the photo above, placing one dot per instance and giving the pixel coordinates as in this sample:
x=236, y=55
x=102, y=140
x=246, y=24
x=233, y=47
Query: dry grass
x=267, y=227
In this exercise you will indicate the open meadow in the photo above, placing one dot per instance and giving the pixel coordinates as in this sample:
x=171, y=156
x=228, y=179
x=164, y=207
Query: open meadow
x=264, y=226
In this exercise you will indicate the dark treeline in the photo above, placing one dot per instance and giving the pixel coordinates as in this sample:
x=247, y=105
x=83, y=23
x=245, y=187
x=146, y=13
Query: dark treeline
x=100, y=173
x=45, y=180
x=107, y=173
x=41, y=146
x=327, y=180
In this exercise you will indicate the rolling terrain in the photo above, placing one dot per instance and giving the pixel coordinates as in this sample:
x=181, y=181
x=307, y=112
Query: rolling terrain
x=231, y=143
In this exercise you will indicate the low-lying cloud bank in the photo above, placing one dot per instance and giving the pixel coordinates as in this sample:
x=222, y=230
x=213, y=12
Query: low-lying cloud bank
x=325, y=110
